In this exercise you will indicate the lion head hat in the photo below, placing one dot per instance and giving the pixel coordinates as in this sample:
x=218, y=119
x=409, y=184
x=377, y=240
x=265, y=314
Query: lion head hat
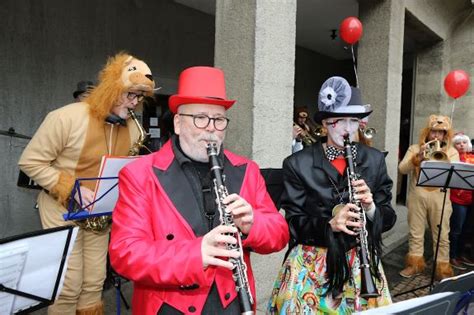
x=437, y=122
x=122, y=73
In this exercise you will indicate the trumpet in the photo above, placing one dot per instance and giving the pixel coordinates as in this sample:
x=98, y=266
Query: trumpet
x=433, y=151
x=305, y=136
x=319, y=131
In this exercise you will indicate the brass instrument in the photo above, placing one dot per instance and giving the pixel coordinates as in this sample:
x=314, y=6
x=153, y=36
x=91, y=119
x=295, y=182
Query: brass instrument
x=433, y=151
x=368, y=133
x=101, y=223
x=305, y=136
x=368, y=288
x=135, y=148
x=239, y=272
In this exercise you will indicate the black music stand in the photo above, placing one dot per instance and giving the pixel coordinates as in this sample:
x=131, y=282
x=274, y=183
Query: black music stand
x=445, y=175
x=29, y=279
x=436, y=304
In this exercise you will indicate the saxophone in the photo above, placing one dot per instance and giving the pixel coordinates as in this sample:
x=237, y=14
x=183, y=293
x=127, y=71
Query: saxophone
x=239, y=272
x=101, y=223
x=135, y=148
x=368, y=288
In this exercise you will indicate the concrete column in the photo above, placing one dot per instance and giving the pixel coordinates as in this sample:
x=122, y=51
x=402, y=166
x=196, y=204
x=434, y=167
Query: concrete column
x=428, y=98
x=460, y=57
x=255, y=46
x=380, y=59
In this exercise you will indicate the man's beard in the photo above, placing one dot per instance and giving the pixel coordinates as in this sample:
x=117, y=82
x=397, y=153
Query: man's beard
x=198, y=151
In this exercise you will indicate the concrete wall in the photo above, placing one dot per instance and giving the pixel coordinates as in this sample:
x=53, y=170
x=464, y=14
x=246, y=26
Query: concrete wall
x=454, y=24
x=438, y=15
x=49, y=45
x=311, y=70
x=461, y=57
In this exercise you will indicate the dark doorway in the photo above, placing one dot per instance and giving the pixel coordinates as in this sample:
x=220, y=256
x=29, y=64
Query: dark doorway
x=405, y=123
x=157, y=122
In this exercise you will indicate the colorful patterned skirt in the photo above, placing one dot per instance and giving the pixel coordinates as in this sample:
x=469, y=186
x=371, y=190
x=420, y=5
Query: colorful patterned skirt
x=301, y=285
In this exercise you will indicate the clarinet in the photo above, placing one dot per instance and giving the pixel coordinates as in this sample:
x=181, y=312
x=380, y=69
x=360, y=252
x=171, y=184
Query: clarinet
x=367, y=288
x=239, y=273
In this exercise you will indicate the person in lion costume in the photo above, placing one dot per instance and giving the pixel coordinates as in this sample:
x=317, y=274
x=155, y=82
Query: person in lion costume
x=425, y=203
x=69, y=144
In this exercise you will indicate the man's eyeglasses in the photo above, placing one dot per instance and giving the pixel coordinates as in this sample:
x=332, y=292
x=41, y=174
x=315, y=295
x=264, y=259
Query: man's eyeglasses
x=201, y=121
x=131, y=96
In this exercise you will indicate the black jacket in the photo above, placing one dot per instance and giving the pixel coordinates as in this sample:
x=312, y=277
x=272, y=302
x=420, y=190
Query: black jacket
x=309, y=195
x=313, y=186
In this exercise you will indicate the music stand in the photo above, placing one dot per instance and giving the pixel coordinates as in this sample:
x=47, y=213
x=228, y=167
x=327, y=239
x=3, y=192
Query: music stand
x=439, y=303
x=80, y=210
x=106, y=190
x=464, y=284
x=445, y=175
x=106, y=196
x=29, y=279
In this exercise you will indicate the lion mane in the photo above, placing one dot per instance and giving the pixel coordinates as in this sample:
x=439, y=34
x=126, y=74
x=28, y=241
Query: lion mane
x=110, y=88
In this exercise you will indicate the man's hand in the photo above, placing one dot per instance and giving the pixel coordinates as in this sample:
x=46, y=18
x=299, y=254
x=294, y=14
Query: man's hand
x=213, y=247
x=87, y=196
x=242, y=212
x=421, y=154
x=348, y=216
x=363, y=194
x=297, y=132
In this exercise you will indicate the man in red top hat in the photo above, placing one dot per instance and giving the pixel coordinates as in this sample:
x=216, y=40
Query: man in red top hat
x=167, y=236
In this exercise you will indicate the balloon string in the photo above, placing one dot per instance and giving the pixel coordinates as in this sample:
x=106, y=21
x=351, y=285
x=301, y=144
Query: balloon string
x=452, y=112
x=355, y=68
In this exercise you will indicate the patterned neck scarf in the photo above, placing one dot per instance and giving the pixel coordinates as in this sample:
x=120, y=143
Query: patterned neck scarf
x=332, y=152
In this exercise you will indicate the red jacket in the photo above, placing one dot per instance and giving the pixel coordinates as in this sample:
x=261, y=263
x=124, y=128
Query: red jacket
x=461, y=196
x=154, y=246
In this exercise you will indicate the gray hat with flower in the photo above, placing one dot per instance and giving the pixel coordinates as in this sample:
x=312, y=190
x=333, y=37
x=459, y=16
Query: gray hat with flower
x=338, y=99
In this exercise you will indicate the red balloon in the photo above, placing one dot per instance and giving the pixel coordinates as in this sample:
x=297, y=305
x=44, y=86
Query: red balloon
x=456, y=83
x=351, y=30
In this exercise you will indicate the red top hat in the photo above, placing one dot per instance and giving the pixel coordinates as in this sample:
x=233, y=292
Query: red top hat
x=200, y=85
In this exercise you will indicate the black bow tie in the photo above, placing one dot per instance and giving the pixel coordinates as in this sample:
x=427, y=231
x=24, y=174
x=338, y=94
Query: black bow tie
x=332, y=152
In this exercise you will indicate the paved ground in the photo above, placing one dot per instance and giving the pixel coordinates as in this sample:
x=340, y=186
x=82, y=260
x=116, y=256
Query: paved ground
x=266, y=268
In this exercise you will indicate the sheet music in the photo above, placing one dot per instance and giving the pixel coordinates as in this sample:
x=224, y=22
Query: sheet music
x=40, y=255
x=13, y=258
x=105, y=193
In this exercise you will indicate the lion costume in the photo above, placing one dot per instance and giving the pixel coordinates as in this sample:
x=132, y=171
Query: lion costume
x=70, y=144
x=425, y=204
